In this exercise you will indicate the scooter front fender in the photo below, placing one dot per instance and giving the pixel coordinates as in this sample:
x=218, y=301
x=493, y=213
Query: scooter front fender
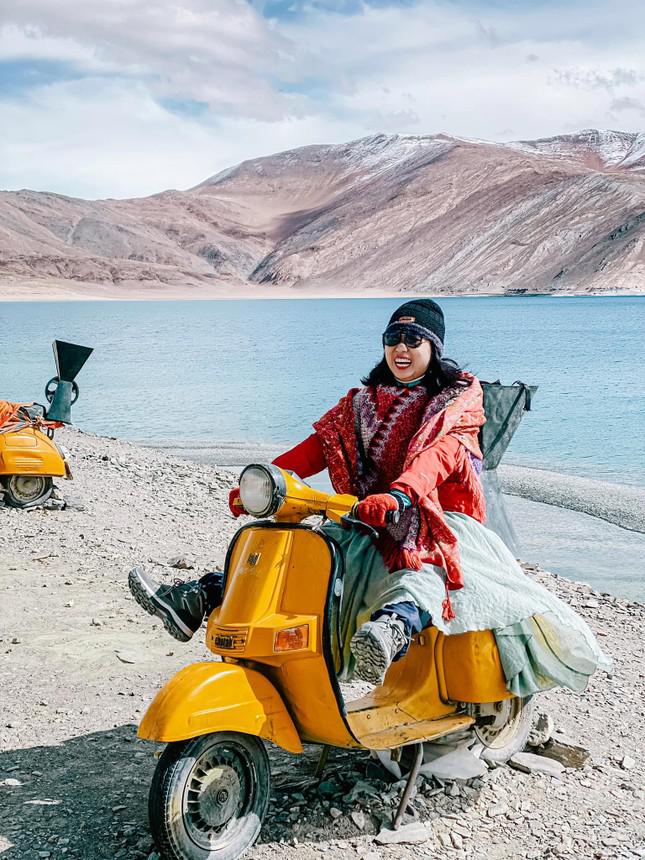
x=219, y=697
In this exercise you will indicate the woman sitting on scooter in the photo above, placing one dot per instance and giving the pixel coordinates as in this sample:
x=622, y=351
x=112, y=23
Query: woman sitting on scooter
x=408, y=442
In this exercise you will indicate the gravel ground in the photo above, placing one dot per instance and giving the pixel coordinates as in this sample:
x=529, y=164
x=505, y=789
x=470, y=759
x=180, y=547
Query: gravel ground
x=79, y=662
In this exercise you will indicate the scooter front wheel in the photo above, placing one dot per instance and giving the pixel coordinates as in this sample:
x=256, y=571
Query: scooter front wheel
x=26, y=491
x=209, y=796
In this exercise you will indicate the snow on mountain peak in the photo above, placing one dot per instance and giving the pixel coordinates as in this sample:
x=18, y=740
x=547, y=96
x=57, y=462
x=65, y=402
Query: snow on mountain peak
x=599, y=149
x=605, y=147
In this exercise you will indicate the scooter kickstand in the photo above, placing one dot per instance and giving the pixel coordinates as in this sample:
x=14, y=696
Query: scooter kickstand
x=322, y=762
x=407, y=791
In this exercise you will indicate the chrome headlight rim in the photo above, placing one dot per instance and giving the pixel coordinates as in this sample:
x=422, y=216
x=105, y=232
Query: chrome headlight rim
x=278, y=489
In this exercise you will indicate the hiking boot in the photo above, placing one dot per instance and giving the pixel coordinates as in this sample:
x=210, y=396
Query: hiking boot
x=375, y=644
x=180, y=606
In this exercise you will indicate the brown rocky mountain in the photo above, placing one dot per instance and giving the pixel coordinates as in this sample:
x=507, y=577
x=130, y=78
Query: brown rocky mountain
x=433, y=213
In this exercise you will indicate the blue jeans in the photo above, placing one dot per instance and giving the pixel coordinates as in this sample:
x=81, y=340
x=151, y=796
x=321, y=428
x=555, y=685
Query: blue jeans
x=213, y=587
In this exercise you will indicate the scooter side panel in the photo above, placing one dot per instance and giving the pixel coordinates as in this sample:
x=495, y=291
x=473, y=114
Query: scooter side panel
x=217, y=697
x=473, y=669
x=305, y=681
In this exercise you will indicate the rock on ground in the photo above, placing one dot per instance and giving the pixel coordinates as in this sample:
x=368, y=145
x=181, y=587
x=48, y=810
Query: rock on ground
x=79, y=662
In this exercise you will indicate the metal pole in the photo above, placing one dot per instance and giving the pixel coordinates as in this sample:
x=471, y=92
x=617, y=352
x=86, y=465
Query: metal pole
x=322, y=762
x=407, y=791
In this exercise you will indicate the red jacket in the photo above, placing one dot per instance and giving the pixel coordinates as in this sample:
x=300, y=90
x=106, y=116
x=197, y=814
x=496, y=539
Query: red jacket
x=438, y=472
x=442, y=466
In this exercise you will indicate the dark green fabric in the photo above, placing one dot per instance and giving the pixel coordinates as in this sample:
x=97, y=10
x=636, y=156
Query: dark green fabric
x=504, y=406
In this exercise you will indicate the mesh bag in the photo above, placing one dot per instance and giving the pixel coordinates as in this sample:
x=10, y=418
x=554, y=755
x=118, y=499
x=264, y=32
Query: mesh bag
x=504, y=406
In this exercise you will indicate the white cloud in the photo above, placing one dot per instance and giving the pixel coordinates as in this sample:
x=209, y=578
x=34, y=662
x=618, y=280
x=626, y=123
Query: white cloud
x=99, y=138
x=224, y=53
x=519, y=71
x=495, y=72
x=18, y=43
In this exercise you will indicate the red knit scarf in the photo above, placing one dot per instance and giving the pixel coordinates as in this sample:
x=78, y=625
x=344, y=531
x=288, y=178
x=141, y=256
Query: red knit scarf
x=373, y=434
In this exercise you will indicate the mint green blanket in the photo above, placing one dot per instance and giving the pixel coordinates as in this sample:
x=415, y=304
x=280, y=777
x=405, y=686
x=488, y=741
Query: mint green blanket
x=542, y=642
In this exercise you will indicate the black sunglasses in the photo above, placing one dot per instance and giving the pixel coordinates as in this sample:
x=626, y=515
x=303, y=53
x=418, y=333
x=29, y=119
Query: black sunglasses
x=408, y=338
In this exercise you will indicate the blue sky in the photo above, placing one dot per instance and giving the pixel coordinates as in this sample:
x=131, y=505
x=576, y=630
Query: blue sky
x=289, y=9
x=106, y=98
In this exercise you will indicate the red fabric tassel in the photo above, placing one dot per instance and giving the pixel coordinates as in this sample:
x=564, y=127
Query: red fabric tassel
x=447, y=613
x=396, y=558
x=410, y=560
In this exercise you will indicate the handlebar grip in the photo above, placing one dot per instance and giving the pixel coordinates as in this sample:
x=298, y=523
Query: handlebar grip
x=393, y=517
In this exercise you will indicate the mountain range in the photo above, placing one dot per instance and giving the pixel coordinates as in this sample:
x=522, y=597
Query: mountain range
x=387, y=213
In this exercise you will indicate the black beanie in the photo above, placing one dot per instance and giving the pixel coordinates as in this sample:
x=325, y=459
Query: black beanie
x=426, y=314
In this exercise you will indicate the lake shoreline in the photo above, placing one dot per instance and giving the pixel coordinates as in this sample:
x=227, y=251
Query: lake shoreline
x=72, y=291
x=620, y=504
x=579, y=528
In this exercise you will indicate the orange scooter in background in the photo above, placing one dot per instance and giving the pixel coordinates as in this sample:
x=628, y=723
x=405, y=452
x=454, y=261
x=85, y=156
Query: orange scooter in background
x=29, y=457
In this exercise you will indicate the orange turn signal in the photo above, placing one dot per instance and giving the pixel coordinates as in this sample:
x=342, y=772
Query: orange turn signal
x=292, y=638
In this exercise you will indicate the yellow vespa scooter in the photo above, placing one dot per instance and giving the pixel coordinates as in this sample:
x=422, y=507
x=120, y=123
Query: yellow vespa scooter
x=277, y=681
x=29, y=457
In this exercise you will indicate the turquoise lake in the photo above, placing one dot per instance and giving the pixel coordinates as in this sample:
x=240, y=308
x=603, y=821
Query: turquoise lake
x=264, y=370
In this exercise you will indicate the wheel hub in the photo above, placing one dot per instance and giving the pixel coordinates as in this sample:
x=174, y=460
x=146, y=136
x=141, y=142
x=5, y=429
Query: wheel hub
x=219, y=797
x=493, y=734
x=216, y=795
x=27, y=488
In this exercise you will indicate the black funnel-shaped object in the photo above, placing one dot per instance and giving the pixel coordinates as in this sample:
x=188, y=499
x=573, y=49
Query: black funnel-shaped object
x=61, y=391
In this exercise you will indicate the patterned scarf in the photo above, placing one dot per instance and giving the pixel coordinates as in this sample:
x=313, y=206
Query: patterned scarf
x=374, y=434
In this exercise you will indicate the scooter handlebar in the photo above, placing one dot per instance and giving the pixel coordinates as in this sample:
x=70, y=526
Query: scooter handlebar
x=352, y=521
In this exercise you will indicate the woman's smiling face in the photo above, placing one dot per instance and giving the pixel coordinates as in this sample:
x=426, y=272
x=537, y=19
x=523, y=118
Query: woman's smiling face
x=408, y=363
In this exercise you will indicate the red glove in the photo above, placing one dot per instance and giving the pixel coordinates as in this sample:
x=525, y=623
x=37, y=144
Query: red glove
x=234, y=502
x=373, y=509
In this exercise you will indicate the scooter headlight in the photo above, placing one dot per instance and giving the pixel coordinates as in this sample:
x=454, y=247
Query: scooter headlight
x=262, y=490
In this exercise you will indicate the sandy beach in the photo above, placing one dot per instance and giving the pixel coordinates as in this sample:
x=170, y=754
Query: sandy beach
x=52, y=290
x=79, y=662
x=616, y=503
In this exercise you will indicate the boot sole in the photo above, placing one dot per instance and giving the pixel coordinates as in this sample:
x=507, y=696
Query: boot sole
x=153, y=606
x=371, y=659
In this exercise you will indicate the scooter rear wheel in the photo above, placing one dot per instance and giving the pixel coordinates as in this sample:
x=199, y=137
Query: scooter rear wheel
x=509, y=730
x=26, y=491
x=209, y=796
